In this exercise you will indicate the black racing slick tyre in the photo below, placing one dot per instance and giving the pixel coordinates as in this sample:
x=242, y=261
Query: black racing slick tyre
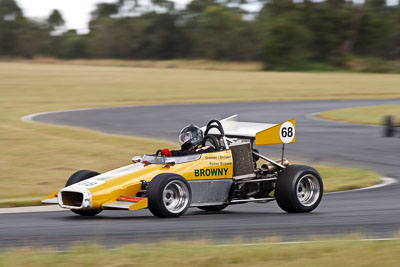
x=213, y=208
x=213, y=140
x=76, y=178
x=169, y=195
x=299, y=188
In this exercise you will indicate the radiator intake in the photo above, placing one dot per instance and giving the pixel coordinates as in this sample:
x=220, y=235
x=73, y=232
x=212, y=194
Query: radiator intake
x=72, y=199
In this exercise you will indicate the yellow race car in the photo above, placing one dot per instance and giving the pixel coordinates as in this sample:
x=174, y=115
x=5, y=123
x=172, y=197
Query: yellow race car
x=168, y=186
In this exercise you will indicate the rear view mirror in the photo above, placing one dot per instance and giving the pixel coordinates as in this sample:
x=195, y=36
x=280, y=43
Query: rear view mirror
x=169, y=163
x=136, y=159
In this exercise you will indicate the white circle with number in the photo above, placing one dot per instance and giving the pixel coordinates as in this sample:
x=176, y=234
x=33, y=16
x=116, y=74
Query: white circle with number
x=287, y=132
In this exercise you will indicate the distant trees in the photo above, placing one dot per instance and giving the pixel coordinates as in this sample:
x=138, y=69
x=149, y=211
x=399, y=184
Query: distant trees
x=219, y=33
x=282, y=33
x=55, y=20
x=285, y=38
x=151, y=36
x=328, y=31
x=10, y=24
x=9, y=10
x=376, y=28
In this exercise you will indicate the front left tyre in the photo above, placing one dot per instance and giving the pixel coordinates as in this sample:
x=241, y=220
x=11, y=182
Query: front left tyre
x=76, y=178
x=213, y=208
x=169, y=195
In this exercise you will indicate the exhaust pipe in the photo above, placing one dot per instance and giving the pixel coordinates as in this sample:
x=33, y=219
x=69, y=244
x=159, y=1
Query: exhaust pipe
x=271, y=168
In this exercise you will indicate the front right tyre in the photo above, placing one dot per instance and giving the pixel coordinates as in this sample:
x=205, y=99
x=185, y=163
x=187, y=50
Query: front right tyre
x=299, y=188
x=169, y=195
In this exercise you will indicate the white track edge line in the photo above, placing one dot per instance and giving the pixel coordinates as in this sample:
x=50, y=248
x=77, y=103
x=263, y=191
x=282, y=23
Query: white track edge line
x=385, y=182
x=314, y=116
x=31, y=209
x=30, y=117
x=310, y=242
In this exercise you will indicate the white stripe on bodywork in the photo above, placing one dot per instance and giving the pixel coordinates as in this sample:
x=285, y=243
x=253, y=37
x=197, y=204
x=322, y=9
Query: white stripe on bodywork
x=101, y=178
x=118, y=172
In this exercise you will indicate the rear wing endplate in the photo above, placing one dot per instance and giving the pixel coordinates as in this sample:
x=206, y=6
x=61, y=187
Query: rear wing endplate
x=262, y=133
x=280, y=134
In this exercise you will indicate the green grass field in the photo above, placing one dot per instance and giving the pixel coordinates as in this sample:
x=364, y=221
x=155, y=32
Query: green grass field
x=362, y=115
x=36, y=159
x=334, y=252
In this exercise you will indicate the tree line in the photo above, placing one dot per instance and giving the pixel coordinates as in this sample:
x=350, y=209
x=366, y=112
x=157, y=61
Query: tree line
x=282, y=33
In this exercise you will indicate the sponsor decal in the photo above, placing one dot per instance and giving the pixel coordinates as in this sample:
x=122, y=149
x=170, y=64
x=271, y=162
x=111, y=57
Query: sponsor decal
x=211, y=172
x=89, y=183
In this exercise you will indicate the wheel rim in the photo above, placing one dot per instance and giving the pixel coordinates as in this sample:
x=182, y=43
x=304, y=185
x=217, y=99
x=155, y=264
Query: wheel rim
x=175, y=196
x=308, y=190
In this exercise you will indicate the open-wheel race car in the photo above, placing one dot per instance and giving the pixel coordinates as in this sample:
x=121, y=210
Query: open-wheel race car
x=229, y=175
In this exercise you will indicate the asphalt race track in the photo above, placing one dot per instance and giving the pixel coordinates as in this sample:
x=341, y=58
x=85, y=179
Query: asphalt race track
x=374, y=212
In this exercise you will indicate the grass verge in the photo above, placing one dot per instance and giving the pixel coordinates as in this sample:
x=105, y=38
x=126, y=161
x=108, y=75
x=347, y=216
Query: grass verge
x=194, y=64
x=343, y=178
x=362, y=115
x=36, y=159
x=333, y=252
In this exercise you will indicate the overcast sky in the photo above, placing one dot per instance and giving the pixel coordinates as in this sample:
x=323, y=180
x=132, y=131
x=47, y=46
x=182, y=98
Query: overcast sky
x=77, y=12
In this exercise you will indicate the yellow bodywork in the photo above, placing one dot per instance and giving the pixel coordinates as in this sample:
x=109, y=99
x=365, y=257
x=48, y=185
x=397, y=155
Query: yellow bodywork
x=123, y=182
x=142, y=204
x=129, y=184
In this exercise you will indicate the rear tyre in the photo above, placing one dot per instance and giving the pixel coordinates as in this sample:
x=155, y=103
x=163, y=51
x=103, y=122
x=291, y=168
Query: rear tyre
x=213, y=140
x=299, y=188
x=213, y=208
x=76, y=178
x=169, y=195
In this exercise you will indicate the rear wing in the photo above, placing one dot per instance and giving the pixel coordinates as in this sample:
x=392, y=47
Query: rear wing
x=262, y=133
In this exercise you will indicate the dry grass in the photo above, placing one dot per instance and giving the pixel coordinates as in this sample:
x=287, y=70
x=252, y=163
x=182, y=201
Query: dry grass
x=334, y=252
x=197, y=64
x=36, y=159
x=362, y=115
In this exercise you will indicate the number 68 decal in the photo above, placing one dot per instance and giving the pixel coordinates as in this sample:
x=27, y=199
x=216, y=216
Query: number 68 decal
x=287, y=132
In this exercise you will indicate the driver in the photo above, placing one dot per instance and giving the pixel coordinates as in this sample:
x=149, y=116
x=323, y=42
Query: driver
x=192, y=141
